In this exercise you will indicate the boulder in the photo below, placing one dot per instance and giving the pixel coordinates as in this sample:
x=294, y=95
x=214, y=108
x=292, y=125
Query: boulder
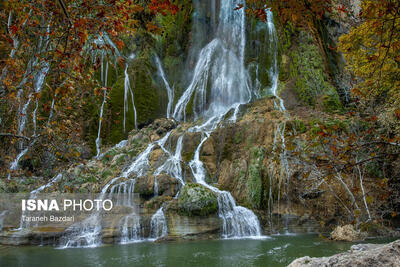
x=197, y=200
x=347, y=233
x=163, y=126
x=167, y=185
x=358, y=255
x=144, y=186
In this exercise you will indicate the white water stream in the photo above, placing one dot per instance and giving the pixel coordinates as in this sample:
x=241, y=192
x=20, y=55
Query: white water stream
x=220, y=84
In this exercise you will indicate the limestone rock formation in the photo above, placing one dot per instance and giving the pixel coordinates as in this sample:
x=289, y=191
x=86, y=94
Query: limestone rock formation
x=347, y=233
x=359, y=255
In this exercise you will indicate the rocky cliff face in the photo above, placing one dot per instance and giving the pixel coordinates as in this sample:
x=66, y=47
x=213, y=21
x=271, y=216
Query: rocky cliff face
x=243, y=157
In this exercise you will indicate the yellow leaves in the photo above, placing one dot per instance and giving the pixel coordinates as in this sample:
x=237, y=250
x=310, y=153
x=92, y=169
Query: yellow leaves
x=357, y=213
x=369, y=199
x=290, y=147
x=151, y=27
x=372, y=52
x=396, y=45
x=12, y=95
x=136, y=9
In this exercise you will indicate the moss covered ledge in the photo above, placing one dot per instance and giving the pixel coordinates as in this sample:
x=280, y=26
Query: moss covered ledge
x=197, y=200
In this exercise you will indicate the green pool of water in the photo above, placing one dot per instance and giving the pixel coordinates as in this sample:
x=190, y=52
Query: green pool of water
x=274, y=251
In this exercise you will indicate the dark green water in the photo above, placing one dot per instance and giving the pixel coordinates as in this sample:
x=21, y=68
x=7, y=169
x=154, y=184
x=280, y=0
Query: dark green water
x=276, y=251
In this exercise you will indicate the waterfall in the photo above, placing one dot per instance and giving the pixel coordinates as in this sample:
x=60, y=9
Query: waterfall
x=280, y=131
x=33, y=195
x=131, y=230
x=88, y=232
x=102, y=40
x=131, y=227
x=83, y=234
x=170, y=91
x=38, y=81
x=39, y=78
x=220, y=78
x=219, y=84
x=158, y=225
x=128, y=90
x=98, y=140
x=2, y=216
x=172, y=165
x=123, y=193
x=104, y=81
x=221, y=73
x=237, y=221
x=274, y=70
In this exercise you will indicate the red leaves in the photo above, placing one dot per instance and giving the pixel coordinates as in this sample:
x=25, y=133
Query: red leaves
x=163, y=7
x=119, y=43
x=14, y=29
x=298, y=12
x=342, y=9
x=397, y=113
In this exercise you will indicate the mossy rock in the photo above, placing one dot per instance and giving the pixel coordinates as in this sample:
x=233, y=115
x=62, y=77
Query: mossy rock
x=295, y=125
x=197, y=200
x=331, y=102
x=309, y=74
x=254, y=184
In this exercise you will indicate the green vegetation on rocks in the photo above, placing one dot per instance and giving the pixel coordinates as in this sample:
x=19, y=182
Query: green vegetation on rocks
x=196, y=200
x=254, y=182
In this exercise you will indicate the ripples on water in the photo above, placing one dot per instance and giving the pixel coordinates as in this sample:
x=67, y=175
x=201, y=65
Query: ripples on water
x=275, y=251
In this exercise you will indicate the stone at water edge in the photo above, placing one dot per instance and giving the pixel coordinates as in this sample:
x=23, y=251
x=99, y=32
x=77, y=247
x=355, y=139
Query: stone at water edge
x=347, y=233
x=197, y=200
x=367, y=255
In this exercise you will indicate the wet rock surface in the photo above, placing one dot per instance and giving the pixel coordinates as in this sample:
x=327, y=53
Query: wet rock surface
x=197, y=200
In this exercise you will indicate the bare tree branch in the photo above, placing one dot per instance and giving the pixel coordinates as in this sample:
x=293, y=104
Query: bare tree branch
x=62, y=4
x=15, y=136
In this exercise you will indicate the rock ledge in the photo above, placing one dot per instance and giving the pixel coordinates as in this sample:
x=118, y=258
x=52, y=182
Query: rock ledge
x=358, y=255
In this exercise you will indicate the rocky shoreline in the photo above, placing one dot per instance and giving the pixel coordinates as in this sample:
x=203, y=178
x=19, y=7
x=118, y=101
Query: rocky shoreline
x=358, y=255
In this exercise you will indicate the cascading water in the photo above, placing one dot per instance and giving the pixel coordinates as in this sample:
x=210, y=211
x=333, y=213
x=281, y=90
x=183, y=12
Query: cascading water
x=88, y=232
x=158, y=225
x=39, y=71
x=280, y=131
x=220, y=79
x=219, y=84
x=170, y=91
x=34, y=194
x=104, y=80
x=102, y=40
x=172, y=165
x=238, y=222
x=128, y=90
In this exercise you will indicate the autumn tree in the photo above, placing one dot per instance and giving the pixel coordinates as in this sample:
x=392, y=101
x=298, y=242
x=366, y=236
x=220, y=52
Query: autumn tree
x=372, y=51
x=47, y=46
x=303, y=12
